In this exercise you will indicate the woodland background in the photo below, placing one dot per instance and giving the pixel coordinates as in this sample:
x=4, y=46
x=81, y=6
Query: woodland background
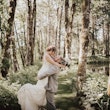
x=80, y=31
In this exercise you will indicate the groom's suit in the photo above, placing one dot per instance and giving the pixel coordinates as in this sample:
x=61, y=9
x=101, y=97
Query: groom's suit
x=52, y=85
x=51, y=89
x=49, y=70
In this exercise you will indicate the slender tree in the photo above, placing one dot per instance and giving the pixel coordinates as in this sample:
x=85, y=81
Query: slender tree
x=50, y=22
x=31, y=31
x=40, y=45
x=59, y=30
x=14, y=51
x=1, y=27
x=6, y=55
x=83, y=43
x=20, y=49
x=106, y=39
x=93, y=35
x=69, y=15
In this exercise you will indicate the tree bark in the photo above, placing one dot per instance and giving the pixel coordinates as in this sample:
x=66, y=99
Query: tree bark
x=40, y=44
x=83, y=40
x=21, y=51
x=106, y=39
x=69, y=15
x=15, y=61
x=93, y=28
x=59, y=33
x=6, y=56
x=31, y=32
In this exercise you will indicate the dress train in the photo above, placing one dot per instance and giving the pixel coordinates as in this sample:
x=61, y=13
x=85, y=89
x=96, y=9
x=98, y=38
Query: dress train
x=30, y=97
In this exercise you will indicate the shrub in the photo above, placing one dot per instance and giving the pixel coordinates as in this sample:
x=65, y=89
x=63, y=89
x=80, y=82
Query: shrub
x=27, y=75
x=8, y=99
x=9, y=88
x=95, y=90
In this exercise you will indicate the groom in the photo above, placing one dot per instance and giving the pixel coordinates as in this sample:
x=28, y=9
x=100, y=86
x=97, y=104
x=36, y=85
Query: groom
x=51, y=89
x=52, y=67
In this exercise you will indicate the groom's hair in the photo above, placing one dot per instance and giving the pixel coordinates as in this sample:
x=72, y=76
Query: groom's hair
x=63, y=62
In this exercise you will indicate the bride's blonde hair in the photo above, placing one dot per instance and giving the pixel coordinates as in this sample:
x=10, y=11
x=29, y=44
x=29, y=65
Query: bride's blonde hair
x=51, y=48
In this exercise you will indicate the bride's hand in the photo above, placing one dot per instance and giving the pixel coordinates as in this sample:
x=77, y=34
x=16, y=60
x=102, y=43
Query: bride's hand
x=62, y=66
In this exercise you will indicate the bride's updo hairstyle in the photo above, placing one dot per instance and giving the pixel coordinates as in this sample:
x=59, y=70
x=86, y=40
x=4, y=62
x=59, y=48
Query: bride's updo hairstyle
x=51, y=48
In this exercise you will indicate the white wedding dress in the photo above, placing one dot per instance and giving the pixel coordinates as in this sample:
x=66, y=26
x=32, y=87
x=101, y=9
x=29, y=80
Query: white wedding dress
x=30, y=97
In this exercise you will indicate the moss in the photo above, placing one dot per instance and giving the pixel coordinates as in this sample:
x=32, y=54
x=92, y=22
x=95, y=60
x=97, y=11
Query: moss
x=5, y=63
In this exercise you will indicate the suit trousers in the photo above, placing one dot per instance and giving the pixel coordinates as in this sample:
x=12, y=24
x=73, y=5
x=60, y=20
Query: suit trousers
x=50, y=100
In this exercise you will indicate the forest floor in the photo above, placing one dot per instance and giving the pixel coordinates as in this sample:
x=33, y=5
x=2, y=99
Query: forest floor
x=65, y=98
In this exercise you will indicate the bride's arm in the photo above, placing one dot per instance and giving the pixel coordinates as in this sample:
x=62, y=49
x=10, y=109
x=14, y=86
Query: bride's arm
x=50, y=60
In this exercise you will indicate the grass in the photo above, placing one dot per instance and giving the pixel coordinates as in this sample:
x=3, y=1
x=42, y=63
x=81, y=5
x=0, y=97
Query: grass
x=97, y=60
x=66, y=96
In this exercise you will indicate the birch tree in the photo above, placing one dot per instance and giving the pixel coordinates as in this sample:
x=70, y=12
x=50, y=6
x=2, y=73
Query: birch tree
x=14, y=52
x=69, y=15
x=83, y=43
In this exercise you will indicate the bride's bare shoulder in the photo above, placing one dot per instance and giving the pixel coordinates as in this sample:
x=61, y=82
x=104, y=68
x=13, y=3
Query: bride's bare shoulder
x=46, y=55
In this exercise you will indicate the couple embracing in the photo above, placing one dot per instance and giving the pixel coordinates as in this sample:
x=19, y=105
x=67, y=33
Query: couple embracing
x=41, y=95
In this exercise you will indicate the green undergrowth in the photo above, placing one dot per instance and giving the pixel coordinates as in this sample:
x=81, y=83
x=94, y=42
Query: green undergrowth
x=9, y=87
x=66, y=96
x=97, y=60
x=8, y=99
x=95, y=89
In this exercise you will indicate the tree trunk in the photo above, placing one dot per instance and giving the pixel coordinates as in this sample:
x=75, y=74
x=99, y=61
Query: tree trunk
x=108, y=87
x=31, y=31
x=107, y=55
x=59, y=33
x=2, y=42
x=106, y=39
x=2, y=33
x=64, y=49
x=57, y=27
x=15, y=61
x=50, y=24
x=83, y=40
x=93, y=27
x=6, y=55
x=40, y=44
x=69, y=15
x=21, y=51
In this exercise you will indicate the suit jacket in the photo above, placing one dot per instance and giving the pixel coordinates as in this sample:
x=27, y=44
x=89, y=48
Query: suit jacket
x=52, y=85
x=49, y=70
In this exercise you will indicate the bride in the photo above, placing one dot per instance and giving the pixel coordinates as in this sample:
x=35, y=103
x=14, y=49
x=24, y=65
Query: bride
x=31, y=97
